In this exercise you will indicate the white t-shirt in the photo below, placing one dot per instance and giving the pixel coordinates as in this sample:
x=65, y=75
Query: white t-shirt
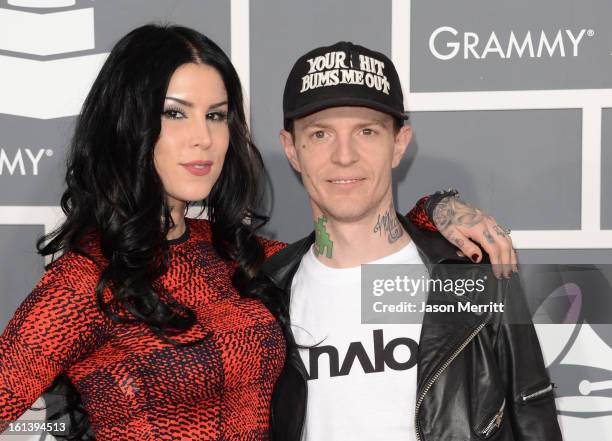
x=362, y=377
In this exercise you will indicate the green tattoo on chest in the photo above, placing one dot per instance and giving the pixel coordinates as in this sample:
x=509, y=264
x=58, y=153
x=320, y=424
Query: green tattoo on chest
x=322, y=240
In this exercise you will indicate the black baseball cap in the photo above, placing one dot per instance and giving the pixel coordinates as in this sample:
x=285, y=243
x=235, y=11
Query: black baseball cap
x=343, y=74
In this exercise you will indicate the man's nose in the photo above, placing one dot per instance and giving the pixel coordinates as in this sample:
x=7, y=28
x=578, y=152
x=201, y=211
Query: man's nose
x=345, y=152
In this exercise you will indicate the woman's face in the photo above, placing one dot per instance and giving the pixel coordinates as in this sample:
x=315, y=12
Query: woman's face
x=194, y=135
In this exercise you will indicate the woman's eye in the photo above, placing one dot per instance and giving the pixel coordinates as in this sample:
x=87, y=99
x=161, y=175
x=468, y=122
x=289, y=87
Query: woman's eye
x=174, y=114
x=216, y=116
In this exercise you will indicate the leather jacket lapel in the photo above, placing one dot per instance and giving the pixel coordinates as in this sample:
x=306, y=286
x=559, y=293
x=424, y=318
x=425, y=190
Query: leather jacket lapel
x=282, y=266
x=438, y=340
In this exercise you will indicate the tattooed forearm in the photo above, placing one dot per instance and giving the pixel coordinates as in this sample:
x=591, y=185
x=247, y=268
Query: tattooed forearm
x=390, y=224
x=322, y=240
x=452, y=211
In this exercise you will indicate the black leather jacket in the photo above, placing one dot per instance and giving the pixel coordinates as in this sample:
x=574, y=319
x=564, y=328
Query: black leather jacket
x=480, y=378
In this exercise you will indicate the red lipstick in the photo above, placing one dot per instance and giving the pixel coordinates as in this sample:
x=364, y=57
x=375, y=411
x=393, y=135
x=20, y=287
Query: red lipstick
x=198, y=168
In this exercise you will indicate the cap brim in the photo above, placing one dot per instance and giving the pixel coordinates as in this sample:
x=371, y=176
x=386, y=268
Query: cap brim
x=339, y=102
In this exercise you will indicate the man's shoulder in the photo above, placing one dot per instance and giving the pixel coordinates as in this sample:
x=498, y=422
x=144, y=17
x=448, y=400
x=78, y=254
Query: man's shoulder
x=282, y=264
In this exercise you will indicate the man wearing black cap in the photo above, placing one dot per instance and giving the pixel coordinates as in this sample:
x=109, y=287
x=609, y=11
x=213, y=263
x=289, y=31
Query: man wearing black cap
x=482, y=377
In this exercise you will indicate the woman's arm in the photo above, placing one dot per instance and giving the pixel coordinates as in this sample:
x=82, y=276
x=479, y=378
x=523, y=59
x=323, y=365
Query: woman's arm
x=56, y=325
x=467, y=227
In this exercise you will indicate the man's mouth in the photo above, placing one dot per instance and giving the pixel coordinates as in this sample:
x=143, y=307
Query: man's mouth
x=345, y=180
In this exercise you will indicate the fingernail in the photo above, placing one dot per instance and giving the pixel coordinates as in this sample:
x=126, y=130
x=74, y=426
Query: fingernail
x=474, y=257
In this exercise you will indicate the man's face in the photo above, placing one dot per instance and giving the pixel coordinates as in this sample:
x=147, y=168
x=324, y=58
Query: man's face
x=345, y=156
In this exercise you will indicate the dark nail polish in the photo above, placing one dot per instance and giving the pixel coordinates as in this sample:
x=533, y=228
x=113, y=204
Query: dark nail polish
x=474, y=257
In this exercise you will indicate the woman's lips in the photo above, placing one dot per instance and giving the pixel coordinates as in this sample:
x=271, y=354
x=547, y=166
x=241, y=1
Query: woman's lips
x=198, y=168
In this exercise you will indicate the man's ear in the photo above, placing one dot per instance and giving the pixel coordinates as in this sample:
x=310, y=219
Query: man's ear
x=402, y=139
x=286, y=140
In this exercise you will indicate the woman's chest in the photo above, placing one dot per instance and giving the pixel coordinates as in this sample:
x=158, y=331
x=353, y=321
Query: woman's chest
x=235, y=343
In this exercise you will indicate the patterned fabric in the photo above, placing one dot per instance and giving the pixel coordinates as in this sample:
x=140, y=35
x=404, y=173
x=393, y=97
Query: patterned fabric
x=419, y=217
x=134, y=386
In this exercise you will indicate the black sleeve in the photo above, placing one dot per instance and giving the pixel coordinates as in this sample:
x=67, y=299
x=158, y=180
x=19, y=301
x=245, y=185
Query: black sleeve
x=530, y=395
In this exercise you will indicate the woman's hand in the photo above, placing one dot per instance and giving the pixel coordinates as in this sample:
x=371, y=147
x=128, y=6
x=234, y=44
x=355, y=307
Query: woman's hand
x=466, y=226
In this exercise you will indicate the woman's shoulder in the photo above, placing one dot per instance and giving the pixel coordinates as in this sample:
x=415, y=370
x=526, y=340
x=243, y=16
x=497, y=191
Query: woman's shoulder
x=73, y=269
x=66, y=291
x=60, y=319
x=271, y=246
x=72, y=278
x=200, y=229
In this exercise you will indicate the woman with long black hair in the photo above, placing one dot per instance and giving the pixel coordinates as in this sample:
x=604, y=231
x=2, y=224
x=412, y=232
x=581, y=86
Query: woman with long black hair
x=144, y=316
x=141, y=312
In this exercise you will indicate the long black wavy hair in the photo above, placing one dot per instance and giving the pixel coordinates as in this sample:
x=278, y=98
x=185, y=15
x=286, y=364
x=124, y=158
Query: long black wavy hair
x=114, y=192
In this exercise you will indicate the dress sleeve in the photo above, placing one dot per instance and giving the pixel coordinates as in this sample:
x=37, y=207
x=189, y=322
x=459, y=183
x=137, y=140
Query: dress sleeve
x=418, y=215
x=271, y=246
x=55, y=326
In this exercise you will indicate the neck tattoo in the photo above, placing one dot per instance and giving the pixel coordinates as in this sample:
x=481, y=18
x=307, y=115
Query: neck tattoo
x=322, y=240
x=390, y=224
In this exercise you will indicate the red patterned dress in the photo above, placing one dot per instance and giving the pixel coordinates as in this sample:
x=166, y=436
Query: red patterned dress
x=134, y=386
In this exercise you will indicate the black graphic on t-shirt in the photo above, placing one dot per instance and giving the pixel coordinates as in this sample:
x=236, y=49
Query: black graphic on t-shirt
x=383, y=356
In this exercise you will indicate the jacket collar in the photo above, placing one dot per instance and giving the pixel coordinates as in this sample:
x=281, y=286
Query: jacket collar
x=282, y=265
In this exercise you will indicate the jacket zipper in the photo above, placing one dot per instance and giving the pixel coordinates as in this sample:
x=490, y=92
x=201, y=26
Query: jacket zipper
x=438, y=373
x=495, y=421
x=536, y=394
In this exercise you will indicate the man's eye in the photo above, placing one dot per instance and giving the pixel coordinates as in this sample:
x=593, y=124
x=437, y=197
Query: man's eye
x=319, y=134
x=173, y=114
x=367, y=131
x=216, y=116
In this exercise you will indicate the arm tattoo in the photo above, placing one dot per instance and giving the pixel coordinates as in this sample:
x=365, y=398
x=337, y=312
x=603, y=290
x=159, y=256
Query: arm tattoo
x=390, y=224
x=322, y=240
x=499, y=231
x=452, y=211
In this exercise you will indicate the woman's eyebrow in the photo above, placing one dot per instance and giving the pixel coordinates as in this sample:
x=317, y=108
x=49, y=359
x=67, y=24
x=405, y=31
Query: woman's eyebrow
x=219, y=104
x=190, y=104
x=180, y=101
